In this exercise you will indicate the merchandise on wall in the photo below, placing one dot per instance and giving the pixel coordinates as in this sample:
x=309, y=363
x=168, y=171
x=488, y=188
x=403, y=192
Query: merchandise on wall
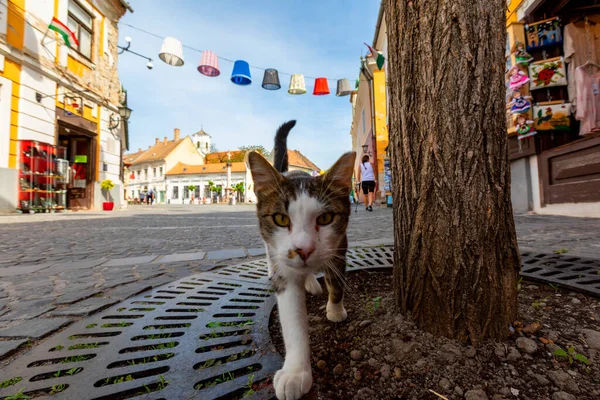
x=543, y=33
x=43, y=176
x=547, y=73
x=552, y=116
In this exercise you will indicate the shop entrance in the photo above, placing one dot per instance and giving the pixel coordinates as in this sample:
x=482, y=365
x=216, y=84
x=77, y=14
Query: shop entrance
x=80, y=145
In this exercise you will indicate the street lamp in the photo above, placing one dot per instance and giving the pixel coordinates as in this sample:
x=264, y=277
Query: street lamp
x=124, y=114
x=365, y=148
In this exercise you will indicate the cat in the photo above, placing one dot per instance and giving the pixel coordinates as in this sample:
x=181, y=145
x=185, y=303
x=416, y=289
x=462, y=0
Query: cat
x=303, y=222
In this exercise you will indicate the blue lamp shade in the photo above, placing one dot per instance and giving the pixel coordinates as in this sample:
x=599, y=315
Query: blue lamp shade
x=241, y=73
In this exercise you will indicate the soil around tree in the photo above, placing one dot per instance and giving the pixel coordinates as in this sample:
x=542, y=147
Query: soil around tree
x=551, y=352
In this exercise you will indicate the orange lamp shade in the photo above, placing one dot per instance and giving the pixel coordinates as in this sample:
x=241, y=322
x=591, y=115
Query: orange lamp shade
x=321, y=87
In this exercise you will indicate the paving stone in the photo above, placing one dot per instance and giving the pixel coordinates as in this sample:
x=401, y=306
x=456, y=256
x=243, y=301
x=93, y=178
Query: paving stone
x=86, y=307
x=226, y=254
x=23, y=269
x=7, y=347
x=84, y=264
x=183, y=257
x=77, y=292
x=123, y=292
x=27, y=309
x=259, y=251
x=35, y=328
x=121, y=262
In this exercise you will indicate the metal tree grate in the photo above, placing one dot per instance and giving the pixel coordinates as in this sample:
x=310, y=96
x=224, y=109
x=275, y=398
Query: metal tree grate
x=580, y=274
x=204, y=336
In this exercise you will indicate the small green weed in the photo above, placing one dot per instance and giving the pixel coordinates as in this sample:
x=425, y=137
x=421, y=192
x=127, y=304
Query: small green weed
x=18, y=396
x=75, y=359
x=373, y=304
x=90, y=326
x=74, y=371
x=571, y=355
x=121, y=309
x=10, y=382
x=537, y=304
x=249, y=384
x=214, y=324
x=121, y=324
x=58, y=348
x=162, y=383
x=560, y=251
x=553, y=286
x=118, y=379
x=57, y=389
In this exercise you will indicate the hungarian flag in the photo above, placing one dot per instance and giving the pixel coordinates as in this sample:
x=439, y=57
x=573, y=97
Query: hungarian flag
x=378, y=56
x=67, y=35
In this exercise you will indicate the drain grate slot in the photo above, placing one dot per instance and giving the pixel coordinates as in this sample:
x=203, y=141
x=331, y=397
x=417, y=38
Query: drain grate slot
x=56, y=374
x=115, y=380
x=152, y=347
x=94, y=335
x=62, y=360
x=141, y=360
x=221, y=334
x=223, y=346
x=225, y=377
x=158, y=336
x=213, y=362
x=167, y=326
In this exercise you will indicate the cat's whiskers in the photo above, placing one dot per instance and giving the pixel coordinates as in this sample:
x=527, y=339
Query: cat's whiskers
x=341, y=278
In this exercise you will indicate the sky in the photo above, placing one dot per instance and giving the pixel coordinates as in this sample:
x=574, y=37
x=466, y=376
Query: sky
x=315, y=38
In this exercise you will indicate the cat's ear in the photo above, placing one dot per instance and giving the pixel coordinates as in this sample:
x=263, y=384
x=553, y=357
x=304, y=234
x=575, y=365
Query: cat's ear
x=342, y=170
x=263, y=173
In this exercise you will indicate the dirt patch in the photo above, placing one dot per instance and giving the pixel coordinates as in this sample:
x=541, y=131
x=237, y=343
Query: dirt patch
x=376, y=353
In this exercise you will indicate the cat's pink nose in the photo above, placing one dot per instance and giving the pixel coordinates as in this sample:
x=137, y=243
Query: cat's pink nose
x=305, y=253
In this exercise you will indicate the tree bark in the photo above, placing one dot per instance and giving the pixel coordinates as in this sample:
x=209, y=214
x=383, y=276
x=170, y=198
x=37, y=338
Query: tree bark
x=456, y=254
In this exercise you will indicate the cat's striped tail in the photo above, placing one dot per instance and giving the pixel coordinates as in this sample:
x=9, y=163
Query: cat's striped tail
x=280, y=156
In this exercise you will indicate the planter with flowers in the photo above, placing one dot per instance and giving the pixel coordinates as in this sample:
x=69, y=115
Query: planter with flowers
x=107, y=185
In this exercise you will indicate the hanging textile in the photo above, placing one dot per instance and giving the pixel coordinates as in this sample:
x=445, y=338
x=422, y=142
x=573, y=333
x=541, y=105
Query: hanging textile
x=552, y=117
x=581, y=44
x=588, y=99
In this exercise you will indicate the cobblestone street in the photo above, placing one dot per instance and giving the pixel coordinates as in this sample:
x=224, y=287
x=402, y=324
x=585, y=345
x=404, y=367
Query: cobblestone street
x=67, y=266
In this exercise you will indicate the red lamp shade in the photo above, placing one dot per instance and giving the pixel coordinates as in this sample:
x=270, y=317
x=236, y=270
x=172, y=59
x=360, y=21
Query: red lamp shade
x=321, y=87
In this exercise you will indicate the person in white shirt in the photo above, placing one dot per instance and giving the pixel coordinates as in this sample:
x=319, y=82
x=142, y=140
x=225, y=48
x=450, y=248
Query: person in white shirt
x=367, y=178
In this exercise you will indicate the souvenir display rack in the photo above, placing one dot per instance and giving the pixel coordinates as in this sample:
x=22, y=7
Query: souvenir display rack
x=43, y=177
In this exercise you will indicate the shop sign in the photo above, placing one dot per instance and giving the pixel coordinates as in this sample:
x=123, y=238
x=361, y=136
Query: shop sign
x=81, y=159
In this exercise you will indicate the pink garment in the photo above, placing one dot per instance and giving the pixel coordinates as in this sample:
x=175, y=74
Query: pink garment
x=588, y=99
x=517, y=80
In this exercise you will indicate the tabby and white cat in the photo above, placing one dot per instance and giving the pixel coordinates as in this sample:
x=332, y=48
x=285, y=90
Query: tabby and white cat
x=303, y=222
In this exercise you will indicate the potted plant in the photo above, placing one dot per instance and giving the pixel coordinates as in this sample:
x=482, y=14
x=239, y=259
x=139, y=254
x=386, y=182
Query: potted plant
x=191, y=189
x=107, y=185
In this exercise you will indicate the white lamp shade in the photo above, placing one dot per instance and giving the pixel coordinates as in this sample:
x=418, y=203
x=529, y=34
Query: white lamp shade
x=171, y=52
x=297, y=84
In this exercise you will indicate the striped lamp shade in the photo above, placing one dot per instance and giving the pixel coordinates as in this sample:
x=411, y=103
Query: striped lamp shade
x=271, y=79
x=297, y=85
x=209, y=64
x=171, y=52
x=343, y=88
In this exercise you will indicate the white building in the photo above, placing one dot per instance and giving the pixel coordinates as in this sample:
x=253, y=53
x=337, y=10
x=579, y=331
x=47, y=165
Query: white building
x=147, y=169
x=182, y=176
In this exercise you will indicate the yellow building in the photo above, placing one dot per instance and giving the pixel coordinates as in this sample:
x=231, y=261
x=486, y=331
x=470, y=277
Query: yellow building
x=369, y=129
x=58, y=95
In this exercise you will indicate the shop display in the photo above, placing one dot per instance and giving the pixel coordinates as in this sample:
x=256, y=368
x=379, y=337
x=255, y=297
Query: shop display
x=517, y=78
x=524, y=127
x=521, y=55
x=41, y=186
x=552, y=117
x=519, y=104
x=547, y=73
x=581, y=45
x=587, y=80
x=543, y=33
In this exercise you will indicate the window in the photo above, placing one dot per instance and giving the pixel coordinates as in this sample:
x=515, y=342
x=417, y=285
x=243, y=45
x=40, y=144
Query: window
x=198, y=145
x=364, y=126
x=186, y=192
x=138, y=174
x=145, y=174
x=82, y=24
x=160, y=171
x=133, y=193
x=206, y=146
x=175, y=192
x=154, y=172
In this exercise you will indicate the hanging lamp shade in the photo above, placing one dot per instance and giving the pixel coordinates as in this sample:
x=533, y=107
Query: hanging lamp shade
x=171, y=52
x=209, y=64
x=297, y=85
x=343, y=88
x=271, y=79
x=241, y=73
x=321, y=87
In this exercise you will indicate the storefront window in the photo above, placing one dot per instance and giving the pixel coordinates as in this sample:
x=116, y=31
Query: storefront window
x=146, y=174
x=154, y=172
x=186, y=192
x=175, y=192
x=160, y=171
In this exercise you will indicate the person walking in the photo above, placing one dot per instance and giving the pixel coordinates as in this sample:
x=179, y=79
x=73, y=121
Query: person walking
x=149, y=196
x=367, y=178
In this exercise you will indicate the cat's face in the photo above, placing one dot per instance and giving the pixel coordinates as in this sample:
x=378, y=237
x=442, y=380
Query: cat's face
x=303, y=219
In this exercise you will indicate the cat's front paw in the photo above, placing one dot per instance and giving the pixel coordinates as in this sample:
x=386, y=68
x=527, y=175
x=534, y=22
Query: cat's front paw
x=292, y=385
x=312, y=285
x=336, y=312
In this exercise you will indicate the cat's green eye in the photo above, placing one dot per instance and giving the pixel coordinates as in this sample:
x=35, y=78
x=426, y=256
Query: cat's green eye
x=281, y=220
x=325, y=219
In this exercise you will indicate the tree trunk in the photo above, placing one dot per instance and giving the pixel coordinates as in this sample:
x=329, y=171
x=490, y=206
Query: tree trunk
x=456, y=253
